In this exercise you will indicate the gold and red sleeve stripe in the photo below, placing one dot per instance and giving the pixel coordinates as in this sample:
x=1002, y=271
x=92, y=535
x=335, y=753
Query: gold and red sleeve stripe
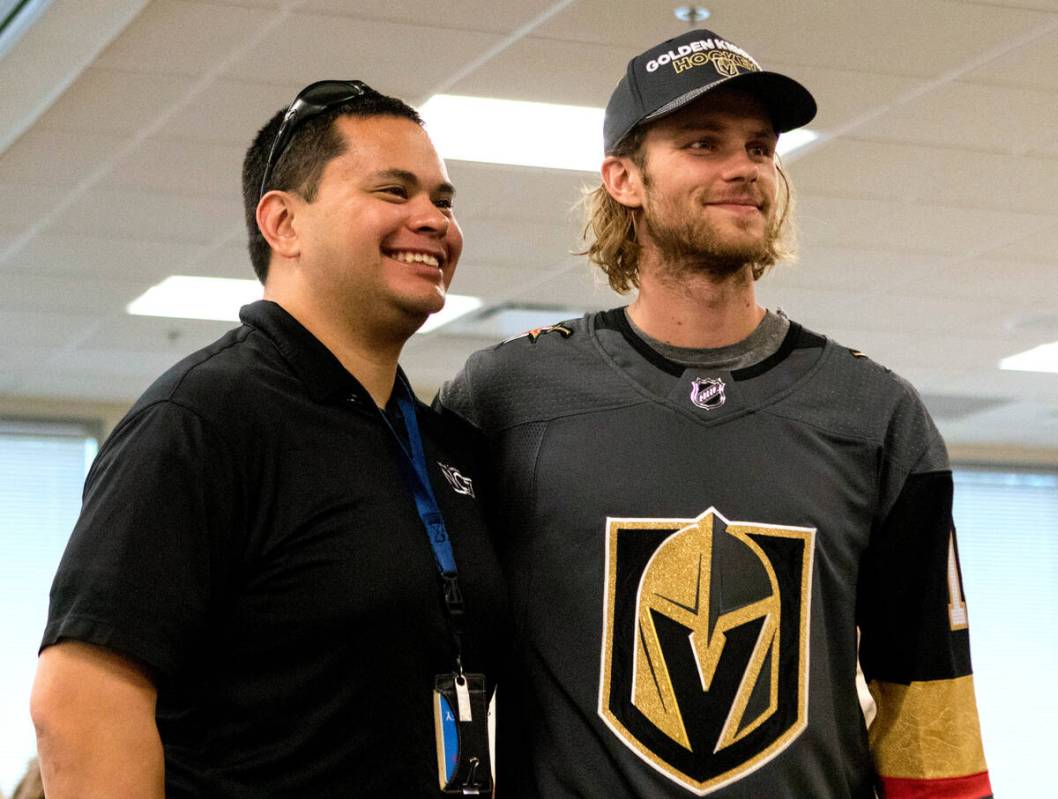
x=975, y=786
x=926, y=740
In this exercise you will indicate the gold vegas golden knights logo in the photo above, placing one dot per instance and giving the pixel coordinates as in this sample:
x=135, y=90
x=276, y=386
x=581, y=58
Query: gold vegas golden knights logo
x=705, y=643
x=725, y=63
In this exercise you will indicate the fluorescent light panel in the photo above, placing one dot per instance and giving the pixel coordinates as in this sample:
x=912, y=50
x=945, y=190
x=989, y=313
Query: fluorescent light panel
x=1043, y=358
x=456, y=305
x=220, y=298
x=521, y=133
x=515, y=132
x=185, y=297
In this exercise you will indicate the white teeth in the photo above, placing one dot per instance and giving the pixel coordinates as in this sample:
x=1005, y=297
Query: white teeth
x=415, y=258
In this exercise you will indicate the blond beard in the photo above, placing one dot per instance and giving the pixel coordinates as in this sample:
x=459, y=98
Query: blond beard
x=695, y=246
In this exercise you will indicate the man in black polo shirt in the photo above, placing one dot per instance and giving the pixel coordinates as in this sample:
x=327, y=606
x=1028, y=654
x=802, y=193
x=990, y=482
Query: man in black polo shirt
x=250, y=605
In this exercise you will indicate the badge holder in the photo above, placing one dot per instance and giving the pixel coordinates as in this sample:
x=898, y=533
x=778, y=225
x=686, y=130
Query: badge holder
x=461, y=724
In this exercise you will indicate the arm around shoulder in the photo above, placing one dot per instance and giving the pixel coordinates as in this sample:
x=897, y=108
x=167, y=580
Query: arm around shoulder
x=93, y=710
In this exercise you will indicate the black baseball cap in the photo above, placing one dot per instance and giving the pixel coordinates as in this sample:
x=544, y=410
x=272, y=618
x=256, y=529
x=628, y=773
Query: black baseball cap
x=667, y=77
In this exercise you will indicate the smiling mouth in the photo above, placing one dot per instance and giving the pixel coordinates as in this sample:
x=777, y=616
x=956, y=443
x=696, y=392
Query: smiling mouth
x=414, y=257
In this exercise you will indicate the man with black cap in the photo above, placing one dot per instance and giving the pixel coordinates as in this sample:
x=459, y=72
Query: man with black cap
x=704, y=501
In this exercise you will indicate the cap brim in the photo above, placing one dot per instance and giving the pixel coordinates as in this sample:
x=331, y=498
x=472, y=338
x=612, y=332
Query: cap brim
x=790, y=105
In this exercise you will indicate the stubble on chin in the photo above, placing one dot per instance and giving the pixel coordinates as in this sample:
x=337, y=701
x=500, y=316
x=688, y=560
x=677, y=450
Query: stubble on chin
x=688, y=247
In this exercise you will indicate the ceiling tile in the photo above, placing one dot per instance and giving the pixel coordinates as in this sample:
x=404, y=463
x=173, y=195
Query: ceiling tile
x=597, y=69
x=487, y=280
x=871, y=170
x=308, y=47
x=944, y=230
x=165, y=217
x=1016, y=283
x=57, y=158
x=1018, y=120
x=230, y=112
x=194, y=169
x=818, y=309
x=230, y=260
x=942, y=175
x=114, y=102
x=1039, y=245
x=174, y=37
x=170, y=338
x=825, y=220
x=35, y=329
x=72, y=294
x=475, y=15
x=496, y=191
x=514, y=244
x=846, y=96
x=92, y=257
x=24, y=205
x=853, y=270
x=128, y=362
x=1034, y=66
x=15, y=361
x=897, y=38
x=574, y=287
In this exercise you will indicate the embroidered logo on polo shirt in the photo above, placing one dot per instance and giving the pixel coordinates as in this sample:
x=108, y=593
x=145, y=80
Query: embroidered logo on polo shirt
x=708, y=392
x=460, y=483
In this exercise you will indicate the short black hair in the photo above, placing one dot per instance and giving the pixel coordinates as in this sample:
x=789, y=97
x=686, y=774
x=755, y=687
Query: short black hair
x=301, y=165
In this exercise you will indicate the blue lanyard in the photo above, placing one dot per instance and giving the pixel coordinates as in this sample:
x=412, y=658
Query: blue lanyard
x=418, y=480
x=413, y=469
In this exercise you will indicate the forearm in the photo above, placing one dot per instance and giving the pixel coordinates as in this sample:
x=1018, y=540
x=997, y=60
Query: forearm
x=96, y=733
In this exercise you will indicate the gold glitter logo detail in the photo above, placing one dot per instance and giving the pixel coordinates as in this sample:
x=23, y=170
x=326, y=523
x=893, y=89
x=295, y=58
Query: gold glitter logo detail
x=725, y=63
x=705, y=641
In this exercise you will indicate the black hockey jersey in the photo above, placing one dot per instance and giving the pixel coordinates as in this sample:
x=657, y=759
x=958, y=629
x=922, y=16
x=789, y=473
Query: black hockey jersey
x=690, y=555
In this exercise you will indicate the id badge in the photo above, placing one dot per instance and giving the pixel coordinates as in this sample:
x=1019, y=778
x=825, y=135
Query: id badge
x=464, y=729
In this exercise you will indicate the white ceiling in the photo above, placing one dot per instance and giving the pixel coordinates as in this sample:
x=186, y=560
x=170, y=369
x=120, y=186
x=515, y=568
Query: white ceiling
x=929, y=232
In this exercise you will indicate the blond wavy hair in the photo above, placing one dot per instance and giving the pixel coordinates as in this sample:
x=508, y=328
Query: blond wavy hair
x=613, y=240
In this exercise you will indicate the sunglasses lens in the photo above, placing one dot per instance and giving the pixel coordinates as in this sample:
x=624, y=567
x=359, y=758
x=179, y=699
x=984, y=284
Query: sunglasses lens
x=331, y=92
x=313, y=100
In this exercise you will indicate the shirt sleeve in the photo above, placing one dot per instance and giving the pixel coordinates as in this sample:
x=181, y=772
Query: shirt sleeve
x=138, y=572
x=915, y=646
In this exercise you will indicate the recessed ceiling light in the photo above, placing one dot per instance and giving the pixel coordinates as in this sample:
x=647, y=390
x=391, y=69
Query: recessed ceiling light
x=795, y=139
x=456, y=305
x=692, y=14
x=515, y=132
x=521, y=133
x=220, y=298
x=1043, y=358
x=186, y=297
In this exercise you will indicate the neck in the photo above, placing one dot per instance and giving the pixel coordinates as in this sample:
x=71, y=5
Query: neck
x=369, y=356
x=696, y=310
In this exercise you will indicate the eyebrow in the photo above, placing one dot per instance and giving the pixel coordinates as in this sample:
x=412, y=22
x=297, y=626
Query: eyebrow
x=412, y=179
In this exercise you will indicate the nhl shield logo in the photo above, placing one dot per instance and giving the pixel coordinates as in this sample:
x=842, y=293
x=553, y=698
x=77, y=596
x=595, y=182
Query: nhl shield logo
x=708, y=392
x=705, y=643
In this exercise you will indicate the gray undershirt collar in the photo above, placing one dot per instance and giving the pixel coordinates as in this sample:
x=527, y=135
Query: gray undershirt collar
x=764, y=341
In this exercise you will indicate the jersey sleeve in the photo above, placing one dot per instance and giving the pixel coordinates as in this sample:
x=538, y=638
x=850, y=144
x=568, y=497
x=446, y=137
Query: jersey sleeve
x=911, y=609
x=138, y=571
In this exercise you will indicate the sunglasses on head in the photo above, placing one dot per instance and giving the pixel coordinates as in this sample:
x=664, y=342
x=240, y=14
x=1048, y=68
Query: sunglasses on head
x=313, y=100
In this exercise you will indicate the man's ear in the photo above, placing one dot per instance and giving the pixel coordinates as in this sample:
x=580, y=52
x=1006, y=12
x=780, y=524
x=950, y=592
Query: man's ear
x=275, y=220
x=623, y=180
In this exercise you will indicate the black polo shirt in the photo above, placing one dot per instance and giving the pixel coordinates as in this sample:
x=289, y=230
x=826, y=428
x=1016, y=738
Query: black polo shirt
x=247, y=534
